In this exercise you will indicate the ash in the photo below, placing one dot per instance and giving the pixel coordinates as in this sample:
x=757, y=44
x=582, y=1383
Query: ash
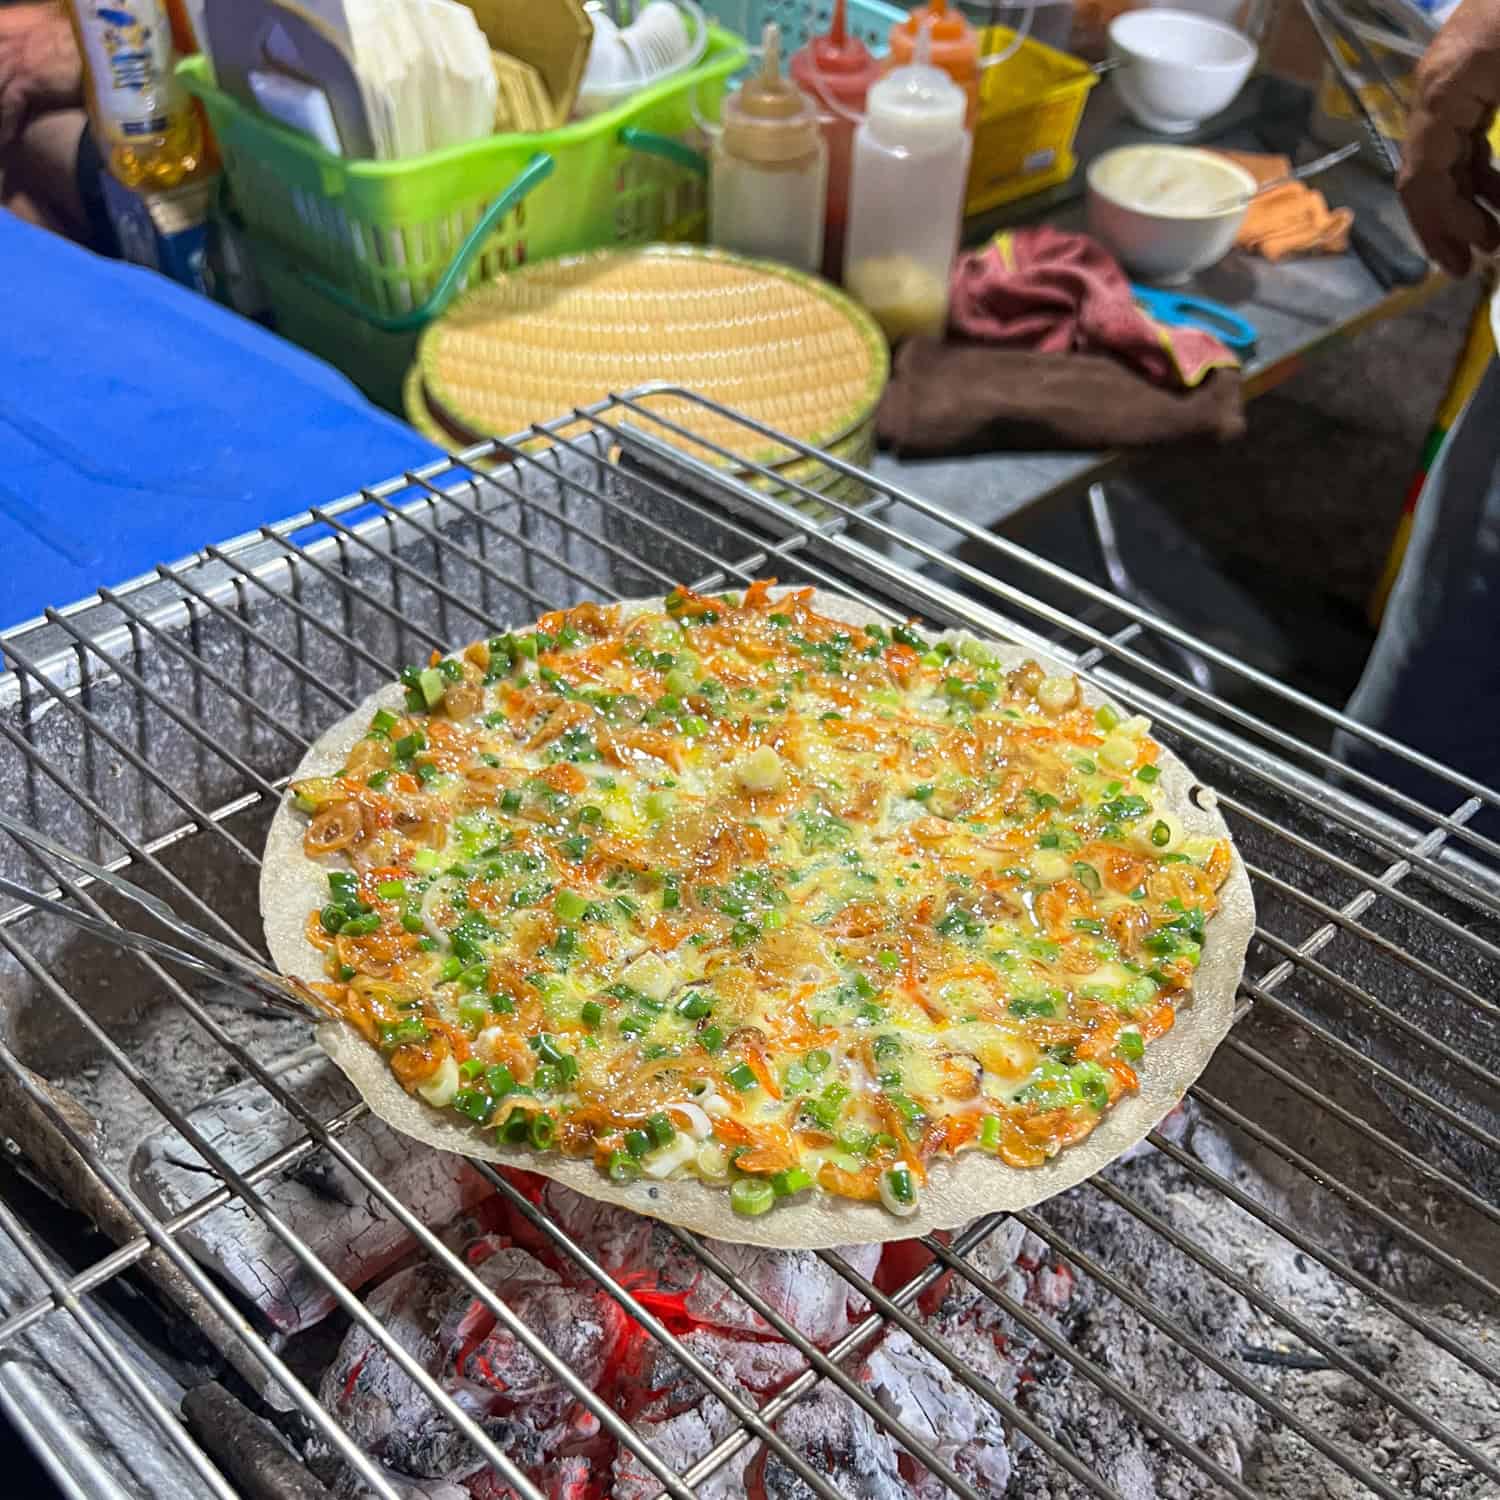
x=1223, y=1424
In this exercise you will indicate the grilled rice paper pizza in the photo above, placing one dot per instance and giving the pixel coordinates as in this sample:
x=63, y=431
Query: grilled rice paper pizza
x=758, y=916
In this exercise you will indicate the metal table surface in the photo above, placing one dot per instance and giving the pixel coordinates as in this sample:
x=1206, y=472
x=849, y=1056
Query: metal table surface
x=1296, y=306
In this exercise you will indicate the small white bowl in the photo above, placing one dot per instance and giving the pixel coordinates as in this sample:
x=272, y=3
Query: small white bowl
x=1159, y=208
x=1177, y=69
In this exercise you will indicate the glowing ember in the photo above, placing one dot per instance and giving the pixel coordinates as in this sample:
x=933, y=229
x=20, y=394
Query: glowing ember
x=564, y=1447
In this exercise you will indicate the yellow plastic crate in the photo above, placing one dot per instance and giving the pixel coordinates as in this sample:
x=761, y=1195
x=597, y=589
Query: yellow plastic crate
x=1029, y=109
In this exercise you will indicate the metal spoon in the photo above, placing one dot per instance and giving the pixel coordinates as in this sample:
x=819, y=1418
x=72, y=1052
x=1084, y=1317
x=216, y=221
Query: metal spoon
x=1297, y=174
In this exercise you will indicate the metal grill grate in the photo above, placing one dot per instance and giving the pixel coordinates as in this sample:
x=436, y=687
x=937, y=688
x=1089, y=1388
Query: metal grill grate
x=152, y=727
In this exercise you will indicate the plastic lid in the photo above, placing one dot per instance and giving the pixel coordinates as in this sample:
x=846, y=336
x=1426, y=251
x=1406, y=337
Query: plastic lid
x=838, y=64
x=770, y=119
x=954, y=40
x=917, y=100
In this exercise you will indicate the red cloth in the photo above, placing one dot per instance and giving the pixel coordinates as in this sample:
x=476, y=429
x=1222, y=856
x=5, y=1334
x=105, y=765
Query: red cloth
x=1053, y=292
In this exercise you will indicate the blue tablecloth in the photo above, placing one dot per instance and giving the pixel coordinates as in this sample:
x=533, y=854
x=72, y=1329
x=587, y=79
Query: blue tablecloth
x=139, y=422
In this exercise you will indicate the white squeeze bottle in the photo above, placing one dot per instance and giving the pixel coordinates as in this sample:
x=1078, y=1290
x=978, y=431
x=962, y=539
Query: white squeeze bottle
x=770, y=169
x=906, y=195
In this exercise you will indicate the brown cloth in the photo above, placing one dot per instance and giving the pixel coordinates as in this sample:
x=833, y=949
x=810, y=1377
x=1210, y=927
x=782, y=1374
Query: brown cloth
x=974, y=398
x=1293, y=219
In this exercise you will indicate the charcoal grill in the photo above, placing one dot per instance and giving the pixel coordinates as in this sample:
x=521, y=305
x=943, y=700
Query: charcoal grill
x=1333, y=1180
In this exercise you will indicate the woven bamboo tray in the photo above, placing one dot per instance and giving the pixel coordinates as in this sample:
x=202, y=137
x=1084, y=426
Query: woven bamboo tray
x=771, y=342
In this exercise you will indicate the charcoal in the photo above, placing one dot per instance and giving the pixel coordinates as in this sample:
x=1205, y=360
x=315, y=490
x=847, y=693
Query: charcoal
x=661, y=1385
x=680, y=1441
x=960, y=1426
x=378, y=1404
x=352, y=1233
x=839, y=1440
x=247, y=1449
x=796, y=1284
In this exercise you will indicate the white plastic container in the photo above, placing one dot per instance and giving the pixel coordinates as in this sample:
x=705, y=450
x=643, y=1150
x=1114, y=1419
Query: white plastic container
x=769, y=170
x=906, y=197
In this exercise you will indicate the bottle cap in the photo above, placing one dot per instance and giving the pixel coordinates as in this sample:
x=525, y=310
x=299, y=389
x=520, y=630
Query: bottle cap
x=770, y=119
x=917, y=100
x=837, y=65
x=955, y=43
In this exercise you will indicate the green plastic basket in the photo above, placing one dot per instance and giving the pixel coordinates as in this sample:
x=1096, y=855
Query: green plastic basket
x=358, y=256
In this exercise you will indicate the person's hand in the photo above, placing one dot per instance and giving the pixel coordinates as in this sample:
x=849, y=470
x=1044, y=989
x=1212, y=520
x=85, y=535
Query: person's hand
x=39, y=65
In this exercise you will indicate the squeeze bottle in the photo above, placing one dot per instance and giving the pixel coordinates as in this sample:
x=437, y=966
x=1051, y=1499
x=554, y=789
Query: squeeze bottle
x=835, y=72
x=769, y=170
x=955, y=48
x=911, y=163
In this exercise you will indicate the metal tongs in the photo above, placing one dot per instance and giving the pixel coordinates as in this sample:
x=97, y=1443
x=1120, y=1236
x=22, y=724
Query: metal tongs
x=215, y=959
x=1334, y=28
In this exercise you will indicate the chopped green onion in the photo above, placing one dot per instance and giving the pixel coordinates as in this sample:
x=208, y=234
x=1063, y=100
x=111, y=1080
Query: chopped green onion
x=888, y=959
x=541, y=1130
x=470, y=1069
x=712, y=1039
x=411, y=921
x=1106, y=718
x=818, y=1062
x=637, y=1142
x=391, y=890
x=474, y=1104
x=751, y=1196
x=412, y=1029
x=426, y=861
x=795, y=1076
x=793, y=1180
x=661, y=1130
x=1088, y=877
x=1148, y=773
x=408, y=745
x=989, y=1133
x=510, y=800
x=693, y=1006
x=742, y=1077
x=592, y=1014
x=902, y=1188
x=623, y=1167
x=516, y=1128
x=383, y=722
x=499, y=1080
x=361, y=926
x=1161, y=834
x=333, y=918
x=569, y=905
x=546, y=1049
x=1130, y=1045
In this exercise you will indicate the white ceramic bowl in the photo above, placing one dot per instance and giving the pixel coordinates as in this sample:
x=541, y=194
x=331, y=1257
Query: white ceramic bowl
x=1177, y=69
x=1161, y=208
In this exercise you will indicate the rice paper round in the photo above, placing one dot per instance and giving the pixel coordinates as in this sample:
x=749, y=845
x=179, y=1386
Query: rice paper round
x=958, y=1190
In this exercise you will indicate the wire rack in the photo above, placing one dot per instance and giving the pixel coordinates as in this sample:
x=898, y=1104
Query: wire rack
x=153, y=726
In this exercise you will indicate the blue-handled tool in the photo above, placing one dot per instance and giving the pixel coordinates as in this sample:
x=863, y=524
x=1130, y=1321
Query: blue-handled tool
x=1179, y=310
